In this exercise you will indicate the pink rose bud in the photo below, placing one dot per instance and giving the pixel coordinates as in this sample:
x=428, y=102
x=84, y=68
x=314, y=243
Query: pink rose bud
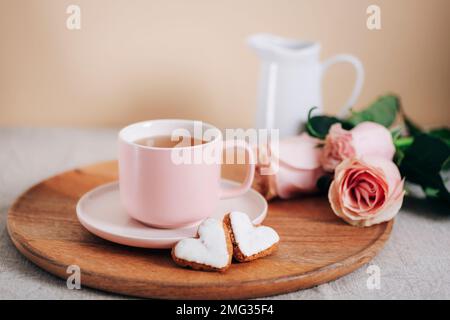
x=296, y=168
x=366, y=139
x=366, y=191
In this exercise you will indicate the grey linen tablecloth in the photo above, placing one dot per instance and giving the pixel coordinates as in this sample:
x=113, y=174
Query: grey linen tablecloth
x=415, y=263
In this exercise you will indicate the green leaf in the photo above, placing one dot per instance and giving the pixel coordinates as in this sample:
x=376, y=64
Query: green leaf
x=383, y=111
x=398, y=156
x=431, y=192
x=445, y=174
x=441, y=133
x=396, y=133
x=413, y=129
x=403, y=142
x=425, y=163
x=324, y=182
x=318, y=126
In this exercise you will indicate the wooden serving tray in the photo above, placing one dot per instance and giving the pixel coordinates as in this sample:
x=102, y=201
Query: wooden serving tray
x=315, y=247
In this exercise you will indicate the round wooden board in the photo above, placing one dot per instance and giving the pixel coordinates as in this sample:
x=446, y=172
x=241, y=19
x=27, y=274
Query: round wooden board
x=315, y=247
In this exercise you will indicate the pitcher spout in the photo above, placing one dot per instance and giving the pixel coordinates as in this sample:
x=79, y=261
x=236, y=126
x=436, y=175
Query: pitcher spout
x=271, y=47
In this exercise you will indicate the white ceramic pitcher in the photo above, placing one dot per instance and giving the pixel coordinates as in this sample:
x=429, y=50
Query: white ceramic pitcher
x=291, y=81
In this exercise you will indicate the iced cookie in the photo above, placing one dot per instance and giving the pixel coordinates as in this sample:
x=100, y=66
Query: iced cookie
x=250, y=242
x=212, y=250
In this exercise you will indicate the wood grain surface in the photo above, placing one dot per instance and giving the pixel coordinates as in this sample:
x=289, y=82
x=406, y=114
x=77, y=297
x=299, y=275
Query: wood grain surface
x=315, y=247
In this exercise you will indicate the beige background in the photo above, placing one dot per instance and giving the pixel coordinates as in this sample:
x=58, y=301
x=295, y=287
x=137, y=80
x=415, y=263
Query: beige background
x=135, y=60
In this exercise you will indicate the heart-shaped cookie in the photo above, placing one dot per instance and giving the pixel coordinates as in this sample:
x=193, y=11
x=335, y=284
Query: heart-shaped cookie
x=250, y=242
x=211, y=251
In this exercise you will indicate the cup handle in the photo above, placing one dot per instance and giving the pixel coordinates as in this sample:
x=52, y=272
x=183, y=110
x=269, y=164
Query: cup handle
x=245, y=186
x=359, y=78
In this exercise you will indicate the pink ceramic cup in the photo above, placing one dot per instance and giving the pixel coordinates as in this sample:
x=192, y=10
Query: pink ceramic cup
x=164, y=193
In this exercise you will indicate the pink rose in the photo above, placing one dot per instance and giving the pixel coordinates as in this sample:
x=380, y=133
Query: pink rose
x=366, y=139
x=366, y=191
x=296, y=168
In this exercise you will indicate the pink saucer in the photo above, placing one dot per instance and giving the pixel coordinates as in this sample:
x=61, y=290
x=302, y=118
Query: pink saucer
x=100, y=211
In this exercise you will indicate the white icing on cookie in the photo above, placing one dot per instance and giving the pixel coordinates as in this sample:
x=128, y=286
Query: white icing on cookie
x=209, y=249
x=250, y=239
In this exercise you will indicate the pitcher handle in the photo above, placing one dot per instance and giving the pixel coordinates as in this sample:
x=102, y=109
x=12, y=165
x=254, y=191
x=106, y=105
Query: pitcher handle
x=358, y=83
